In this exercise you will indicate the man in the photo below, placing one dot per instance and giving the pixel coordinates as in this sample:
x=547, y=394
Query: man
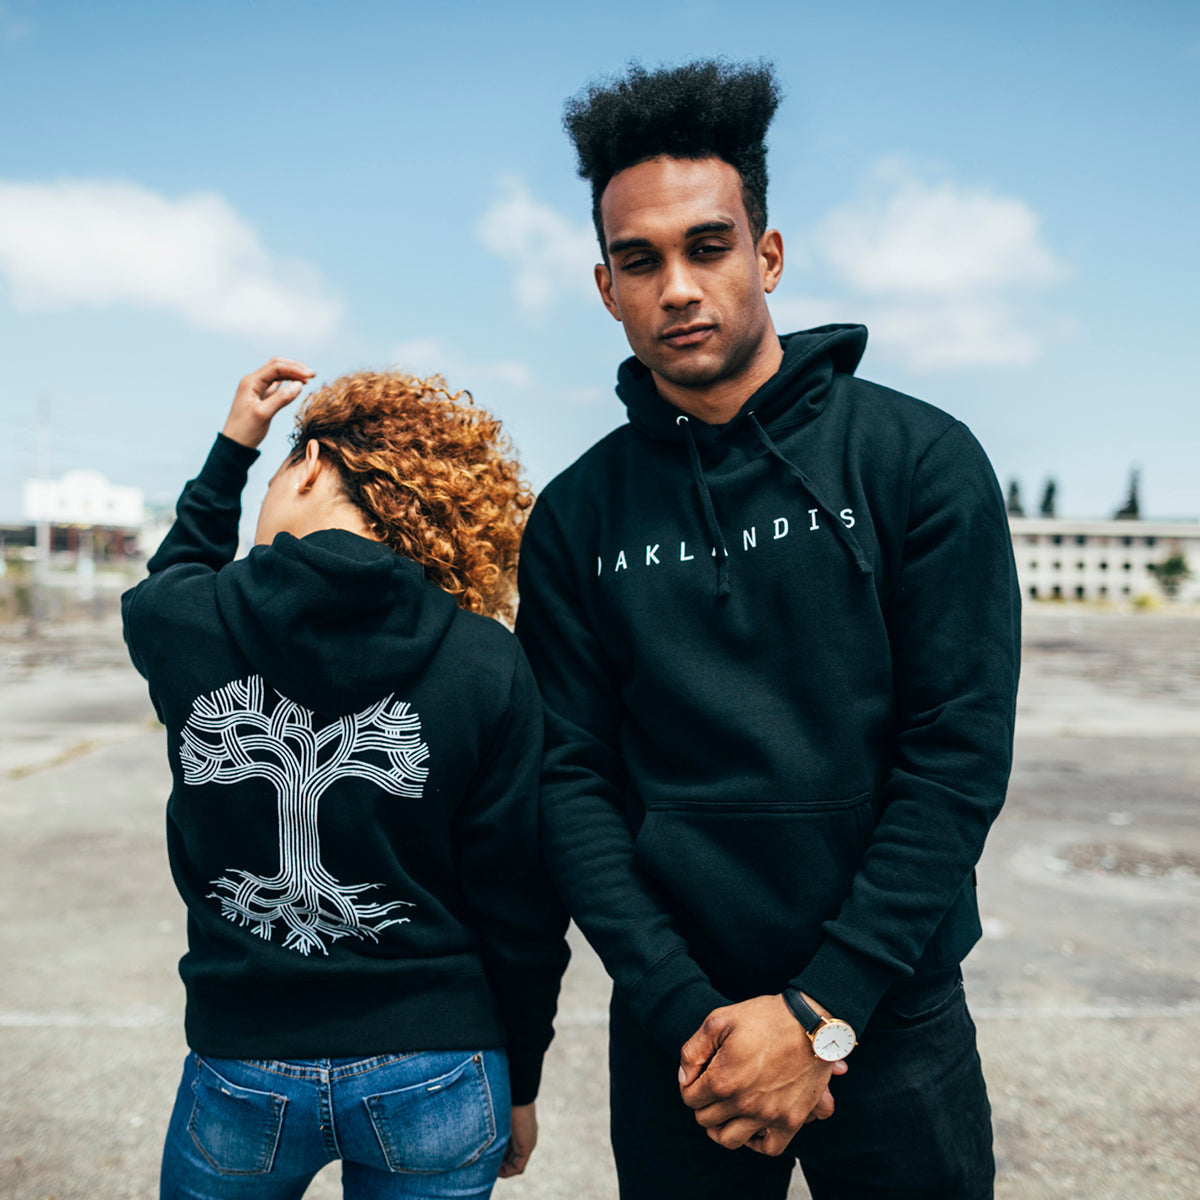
x=775, y=623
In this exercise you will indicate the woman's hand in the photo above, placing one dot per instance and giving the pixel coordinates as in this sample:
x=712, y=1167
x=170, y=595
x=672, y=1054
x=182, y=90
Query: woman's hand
x=260, y=395
x=521, y=1141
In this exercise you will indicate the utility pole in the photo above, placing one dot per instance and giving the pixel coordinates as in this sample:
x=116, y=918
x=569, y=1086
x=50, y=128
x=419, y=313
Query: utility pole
x=41, y=565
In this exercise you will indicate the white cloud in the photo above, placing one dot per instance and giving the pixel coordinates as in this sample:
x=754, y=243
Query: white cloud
x=916, y=238
x=550, y=256
x=95, y=243
x=428, y=356
x=938, y=271
x=975, y=333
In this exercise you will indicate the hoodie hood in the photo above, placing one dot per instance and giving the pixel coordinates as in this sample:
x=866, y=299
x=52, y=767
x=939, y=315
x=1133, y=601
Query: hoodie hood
x=795, y=393
x=334, y=620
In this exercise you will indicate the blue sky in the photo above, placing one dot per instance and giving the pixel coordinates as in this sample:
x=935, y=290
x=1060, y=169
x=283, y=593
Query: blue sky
x=1006, y=194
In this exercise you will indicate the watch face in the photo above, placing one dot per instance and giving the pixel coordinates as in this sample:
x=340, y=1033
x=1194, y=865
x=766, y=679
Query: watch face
x=833, y=1041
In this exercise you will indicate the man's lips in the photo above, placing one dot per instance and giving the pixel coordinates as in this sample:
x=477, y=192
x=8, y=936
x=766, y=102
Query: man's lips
x=687, y=335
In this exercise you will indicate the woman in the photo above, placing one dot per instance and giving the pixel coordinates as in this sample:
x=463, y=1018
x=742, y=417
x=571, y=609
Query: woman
x=374, y=950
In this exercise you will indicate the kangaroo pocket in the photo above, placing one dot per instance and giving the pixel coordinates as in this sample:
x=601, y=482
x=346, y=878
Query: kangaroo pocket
x=749, y=884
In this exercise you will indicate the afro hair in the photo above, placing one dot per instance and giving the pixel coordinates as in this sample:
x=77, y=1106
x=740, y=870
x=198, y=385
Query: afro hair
x=703, y=109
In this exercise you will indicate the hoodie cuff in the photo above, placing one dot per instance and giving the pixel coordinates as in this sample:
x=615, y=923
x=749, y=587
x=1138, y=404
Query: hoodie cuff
x=848, y=984
x=672, y=1000
x=524, y=1079
x=227, y=466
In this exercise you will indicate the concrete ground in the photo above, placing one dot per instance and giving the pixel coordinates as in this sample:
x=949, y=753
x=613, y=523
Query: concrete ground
x=1086, y=987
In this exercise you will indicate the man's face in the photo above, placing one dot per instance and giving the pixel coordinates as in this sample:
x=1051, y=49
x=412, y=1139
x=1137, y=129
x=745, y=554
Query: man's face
x=685, y=276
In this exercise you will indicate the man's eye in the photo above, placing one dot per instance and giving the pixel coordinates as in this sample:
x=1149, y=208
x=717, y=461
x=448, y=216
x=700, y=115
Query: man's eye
x=633, y=264
x=709, y=248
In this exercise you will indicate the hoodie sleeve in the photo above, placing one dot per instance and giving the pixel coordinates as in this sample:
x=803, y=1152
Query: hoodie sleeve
x=520, y=919
x=954, y=624
x=585, y=827
x=203, y=538
x=208, y=512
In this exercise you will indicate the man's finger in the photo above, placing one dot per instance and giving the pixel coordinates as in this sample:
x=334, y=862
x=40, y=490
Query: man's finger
x=697, y=1052
x=712, y=1088
x=823, y=1109
x=770, y=1142
x=718, y=1113
x=735, y=1133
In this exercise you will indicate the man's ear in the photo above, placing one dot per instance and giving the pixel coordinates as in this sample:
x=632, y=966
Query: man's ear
x=770, y=259
x=311, y=467
x=605, y=287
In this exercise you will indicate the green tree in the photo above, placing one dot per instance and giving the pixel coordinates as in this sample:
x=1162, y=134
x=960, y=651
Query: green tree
x=1049, y=498
x=1013, y=504
x=1172, y=573
x=1131, y=510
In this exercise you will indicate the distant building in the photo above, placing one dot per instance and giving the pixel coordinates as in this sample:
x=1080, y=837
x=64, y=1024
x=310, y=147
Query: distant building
x=1063, y=559
x=83, y=498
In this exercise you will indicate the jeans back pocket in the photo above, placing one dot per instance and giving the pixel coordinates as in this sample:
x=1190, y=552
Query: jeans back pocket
x=439, y=1124
x=235, y=1128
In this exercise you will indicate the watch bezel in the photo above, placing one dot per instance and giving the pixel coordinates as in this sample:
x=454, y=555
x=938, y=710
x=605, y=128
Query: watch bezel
x=832, y=1024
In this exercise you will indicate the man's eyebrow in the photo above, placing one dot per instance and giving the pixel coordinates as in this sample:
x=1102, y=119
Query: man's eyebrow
x=628, y=243
x=641, y=243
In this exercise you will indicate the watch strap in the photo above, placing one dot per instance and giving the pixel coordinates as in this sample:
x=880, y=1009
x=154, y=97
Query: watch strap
x=802, y=1010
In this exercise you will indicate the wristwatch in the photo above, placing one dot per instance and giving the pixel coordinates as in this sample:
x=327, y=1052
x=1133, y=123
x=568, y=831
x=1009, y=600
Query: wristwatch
x=832, y=1039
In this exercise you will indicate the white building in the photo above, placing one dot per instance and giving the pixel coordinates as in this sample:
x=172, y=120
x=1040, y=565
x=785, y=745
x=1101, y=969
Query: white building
x=83, y=498
x=1064, y=559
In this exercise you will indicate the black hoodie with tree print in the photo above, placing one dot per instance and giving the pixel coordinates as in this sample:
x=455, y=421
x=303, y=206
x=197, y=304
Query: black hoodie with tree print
x=353, y=821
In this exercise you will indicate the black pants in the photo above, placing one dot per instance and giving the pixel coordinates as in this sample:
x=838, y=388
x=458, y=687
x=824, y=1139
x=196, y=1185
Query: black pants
x=912, y=1120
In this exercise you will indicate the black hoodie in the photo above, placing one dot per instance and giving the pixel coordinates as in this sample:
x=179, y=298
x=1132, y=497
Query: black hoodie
x=779, y=660
x=353, y=823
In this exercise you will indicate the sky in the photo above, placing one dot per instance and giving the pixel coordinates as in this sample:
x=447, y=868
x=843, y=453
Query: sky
x=1005, y=194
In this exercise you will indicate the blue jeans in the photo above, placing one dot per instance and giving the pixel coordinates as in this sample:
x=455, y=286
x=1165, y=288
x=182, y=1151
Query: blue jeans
x=912, y=1120
x=426, y=1124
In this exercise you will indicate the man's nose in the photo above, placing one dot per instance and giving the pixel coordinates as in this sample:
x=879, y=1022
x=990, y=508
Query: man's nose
x=679, y=285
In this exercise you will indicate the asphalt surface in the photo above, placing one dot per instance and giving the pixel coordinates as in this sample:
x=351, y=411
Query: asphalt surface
x=1086, y=987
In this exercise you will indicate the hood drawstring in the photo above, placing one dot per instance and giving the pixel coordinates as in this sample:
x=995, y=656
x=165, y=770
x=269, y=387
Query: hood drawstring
x=720, y=550
x=850, y=541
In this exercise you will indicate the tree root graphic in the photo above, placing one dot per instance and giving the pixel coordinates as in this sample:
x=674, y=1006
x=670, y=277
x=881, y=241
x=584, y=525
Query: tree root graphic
x=309, y=909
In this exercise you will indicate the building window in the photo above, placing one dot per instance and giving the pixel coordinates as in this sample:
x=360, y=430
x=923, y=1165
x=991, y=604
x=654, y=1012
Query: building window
x=1127, y=566
x=1056, y=592
x=1080, y=566
x=1031, y=539
x=1057, y=539
x=1080, y=539
x=1127, y=541
x=1152, y=541
x=1125, y=591
x=1103, y=592
x=1080, y=594
x=1033, y=591
x=1056, y=566
x=1033, y=564
x=1104, y=566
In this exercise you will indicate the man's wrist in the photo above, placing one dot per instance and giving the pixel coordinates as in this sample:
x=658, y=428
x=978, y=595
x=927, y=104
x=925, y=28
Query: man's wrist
x=832, y=1038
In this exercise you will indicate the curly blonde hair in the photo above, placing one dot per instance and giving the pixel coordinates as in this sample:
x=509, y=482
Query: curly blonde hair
x=433, y=476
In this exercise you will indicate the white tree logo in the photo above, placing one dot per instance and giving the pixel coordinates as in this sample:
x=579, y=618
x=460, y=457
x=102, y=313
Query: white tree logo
x=246, y=730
